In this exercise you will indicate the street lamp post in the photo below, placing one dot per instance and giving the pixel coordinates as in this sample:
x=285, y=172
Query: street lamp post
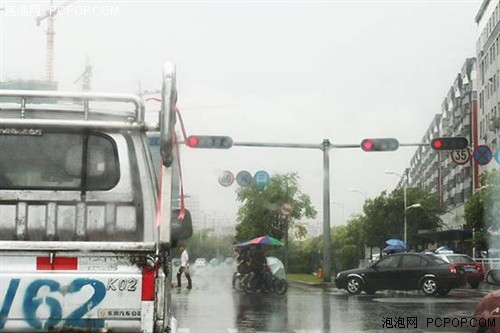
x=359, y=191
x=405, y=185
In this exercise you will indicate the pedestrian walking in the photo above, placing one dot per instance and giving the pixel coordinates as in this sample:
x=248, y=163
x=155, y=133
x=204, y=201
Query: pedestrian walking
x=184, y=268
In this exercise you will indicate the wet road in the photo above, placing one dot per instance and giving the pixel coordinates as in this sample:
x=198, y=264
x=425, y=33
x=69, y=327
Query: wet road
x=213, y=306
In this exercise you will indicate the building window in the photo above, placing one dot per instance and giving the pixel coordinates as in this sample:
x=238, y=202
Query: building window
x=482, y=72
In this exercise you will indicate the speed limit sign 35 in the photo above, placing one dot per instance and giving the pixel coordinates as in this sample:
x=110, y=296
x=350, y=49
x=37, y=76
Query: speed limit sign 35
x=460, y=156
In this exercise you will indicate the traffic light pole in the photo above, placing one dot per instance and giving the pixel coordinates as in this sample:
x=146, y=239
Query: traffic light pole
x=326, y=211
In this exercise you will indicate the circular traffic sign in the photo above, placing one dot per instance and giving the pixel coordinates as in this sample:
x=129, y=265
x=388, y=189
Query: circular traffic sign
x=226, y=178
x=244, y=178
x=261, y=178
x=460, y=156
x=483, y=154
x=286, y=209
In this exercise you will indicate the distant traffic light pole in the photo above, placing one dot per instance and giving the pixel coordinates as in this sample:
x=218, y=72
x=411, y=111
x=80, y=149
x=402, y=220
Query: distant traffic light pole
x=368, y=145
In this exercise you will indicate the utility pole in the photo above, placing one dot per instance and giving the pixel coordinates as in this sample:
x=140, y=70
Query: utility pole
x=326, y=210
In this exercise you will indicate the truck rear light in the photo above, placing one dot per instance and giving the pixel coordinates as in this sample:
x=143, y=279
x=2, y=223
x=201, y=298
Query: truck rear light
x=452, y=269
x=148, y=284
x=57, y=264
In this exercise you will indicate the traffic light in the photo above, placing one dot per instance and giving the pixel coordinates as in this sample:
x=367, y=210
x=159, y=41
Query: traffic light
x=450, y=143
x=209, y=141
x=380, y=144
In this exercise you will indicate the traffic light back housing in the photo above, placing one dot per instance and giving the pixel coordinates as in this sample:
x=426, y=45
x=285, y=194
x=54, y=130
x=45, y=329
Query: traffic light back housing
x=380, y=144
x=449, y=143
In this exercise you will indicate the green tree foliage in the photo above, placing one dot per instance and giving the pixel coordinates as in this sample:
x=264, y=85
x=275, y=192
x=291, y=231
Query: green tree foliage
x=382, y=219
x=482, y=211
x=205, y=244
x=260, y=213
x=385, y=216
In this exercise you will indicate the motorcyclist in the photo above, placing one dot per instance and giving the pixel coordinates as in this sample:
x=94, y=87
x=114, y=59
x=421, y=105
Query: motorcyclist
x=258, y=263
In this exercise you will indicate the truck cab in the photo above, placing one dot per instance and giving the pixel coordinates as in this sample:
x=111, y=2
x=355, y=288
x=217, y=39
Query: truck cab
x=86, y=223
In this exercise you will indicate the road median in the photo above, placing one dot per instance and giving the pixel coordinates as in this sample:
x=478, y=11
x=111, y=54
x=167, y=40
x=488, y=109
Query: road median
x=308, y=280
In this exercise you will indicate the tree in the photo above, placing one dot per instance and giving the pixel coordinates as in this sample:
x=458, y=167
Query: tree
x=385, y=216
x=260, y=213
x=482, y=211
x=204, y=244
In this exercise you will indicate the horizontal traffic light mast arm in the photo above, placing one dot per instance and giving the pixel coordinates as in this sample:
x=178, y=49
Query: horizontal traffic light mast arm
x=278, y=145
x=414, y=144
x=311, y=146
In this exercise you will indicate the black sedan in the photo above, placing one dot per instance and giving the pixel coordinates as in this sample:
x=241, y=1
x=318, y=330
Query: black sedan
x=403, y=271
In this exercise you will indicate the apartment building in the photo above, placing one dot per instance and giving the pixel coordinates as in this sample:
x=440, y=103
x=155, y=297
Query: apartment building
x=488, y=58
x=435, y=172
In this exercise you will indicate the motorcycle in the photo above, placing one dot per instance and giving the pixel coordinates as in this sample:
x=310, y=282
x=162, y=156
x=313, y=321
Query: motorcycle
x=270, y=281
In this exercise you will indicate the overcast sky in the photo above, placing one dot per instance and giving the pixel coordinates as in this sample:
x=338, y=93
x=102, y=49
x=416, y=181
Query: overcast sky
x=266, y=71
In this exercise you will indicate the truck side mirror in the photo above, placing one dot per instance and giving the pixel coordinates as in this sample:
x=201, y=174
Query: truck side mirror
x=181, y=229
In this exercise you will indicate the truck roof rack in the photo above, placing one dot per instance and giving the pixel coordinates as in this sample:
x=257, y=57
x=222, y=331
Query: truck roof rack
x=56, y=109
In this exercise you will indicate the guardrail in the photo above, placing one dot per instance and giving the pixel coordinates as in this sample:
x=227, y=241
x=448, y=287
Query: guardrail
x=488, y=263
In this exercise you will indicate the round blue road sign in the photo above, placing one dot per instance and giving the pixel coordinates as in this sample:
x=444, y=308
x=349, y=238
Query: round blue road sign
x=483, y=154
x=497, y=155
x=244, y=178
x=261, y=178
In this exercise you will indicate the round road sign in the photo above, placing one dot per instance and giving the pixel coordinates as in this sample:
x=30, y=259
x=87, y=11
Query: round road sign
x=286, y=209
x=244, y=178
x=261, y=178
x=483, y=154
x=460, y=156
x=226, y=178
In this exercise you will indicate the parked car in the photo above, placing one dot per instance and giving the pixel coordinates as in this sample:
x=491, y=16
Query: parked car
x=473, y=270
x=200, y=262
x=403, y=271
x=214, y=262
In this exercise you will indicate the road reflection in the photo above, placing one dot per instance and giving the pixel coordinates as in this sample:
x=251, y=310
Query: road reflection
x=260, y=312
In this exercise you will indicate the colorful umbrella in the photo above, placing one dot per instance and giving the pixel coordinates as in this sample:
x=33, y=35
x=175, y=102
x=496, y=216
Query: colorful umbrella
x=262, y=240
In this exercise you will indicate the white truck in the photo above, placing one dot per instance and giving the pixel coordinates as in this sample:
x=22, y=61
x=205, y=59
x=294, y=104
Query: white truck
x=86, y=224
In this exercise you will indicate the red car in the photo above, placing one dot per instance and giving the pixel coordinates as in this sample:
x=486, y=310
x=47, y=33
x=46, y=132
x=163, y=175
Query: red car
x=473, y=270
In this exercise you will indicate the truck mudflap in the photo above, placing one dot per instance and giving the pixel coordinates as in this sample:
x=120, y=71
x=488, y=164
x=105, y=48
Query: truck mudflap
x=75, y=294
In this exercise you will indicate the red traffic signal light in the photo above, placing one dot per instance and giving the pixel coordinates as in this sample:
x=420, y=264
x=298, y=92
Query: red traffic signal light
x=450, y=143
x=380, y=144
x=209, y=141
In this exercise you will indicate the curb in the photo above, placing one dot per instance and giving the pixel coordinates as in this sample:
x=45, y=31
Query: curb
x=311, y=284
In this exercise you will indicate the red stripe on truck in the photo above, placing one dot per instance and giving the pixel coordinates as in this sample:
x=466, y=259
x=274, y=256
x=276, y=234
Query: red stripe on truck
x=58, y=264
x=148, y=284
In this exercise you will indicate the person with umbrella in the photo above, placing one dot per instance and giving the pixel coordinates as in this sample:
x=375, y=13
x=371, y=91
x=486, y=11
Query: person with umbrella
x=258, y=261
x=394, y=246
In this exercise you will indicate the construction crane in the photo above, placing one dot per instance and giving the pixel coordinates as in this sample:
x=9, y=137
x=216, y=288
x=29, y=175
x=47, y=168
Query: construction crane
x=85, y=76
x=49, y=15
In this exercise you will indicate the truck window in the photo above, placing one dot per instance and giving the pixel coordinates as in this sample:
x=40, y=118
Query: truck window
x=55, y=160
